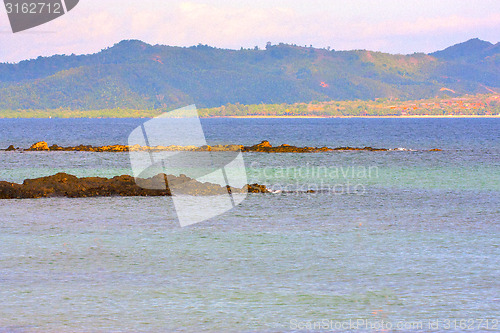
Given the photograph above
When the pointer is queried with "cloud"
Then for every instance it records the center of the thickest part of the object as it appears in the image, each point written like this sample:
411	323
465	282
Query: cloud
437	25
94	25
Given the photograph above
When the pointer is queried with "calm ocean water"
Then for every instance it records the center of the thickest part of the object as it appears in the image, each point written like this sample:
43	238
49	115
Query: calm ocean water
398	237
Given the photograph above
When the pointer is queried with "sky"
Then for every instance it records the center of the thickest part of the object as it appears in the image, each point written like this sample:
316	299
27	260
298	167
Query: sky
392	26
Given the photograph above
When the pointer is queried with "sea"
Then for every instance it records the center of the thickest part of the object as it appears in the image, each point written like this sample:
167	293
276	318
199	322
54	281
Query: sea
405	240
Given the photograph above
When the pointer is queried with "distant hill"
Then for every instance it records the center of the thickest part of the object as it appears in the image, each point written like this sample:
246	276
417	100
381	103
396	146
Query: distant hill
472	50
136	75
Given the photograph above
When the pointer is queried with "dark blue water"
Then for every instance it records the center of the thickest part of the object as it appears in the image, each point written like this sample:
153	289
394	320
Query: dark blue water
473	133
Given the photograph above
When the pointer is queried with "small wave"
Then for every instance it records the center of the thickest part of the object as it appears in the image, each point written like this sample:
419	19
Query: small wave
403	149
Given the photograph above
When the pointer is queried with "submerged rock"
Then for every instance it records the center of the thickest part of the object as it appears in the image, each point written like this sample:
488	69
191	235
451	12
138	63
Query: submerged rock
364	148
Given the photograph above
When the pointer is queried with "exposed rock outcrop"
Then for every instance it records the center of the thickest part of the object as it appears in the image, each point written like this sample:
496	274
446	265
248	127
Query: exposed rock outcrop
266	147
263	147
256	188
42	145
65	185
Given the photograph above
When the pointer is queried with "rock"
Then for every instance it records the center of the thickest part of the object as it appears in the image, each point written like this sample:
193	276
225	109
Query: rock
39	146
266	147
364	148
113	148
436	149
65	185
10	148
256	188
82	148
10	190
227	148
263	147
204	148
264	144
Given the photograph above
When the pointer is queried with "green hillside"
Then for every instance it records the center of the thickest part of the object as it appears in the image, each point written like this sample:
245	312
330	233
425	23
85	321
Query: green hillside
135	75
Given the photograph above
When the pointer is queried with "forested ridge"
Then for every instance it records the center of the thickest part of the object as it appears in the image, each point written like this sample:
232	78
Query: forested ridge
143	78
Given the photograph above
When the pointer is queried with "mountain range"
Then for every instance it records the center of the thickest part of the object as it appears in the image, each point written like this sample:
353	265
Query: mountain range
135	75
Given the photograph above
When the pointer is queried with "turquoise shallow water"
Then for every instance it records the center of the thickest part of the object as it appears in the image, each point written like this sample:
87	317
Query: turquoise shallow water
449	169
417	240
122	264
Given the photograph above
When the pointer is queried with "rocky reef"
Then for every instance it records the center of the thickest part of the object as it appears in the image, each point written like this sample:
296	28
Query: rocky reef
65	185
263	147
266	147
